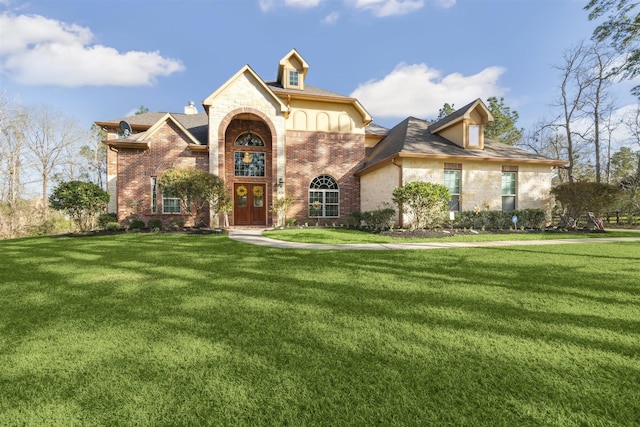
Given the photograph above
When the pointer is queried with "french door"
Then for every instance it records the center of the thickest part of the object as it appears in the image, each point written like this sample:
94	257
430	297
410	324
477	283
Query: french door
249	204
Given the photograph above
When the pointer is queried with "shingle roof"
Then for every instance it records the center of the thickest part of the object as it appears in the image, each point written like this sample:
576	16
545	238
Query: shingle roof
196	124
413	137
375	129
308	90
453	116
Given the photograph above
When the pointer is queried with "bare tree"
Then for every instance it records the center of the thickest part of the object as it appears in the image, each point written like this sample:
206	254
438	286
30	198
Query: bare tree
48	136
543	138
94	155
573	90
600	70
12	123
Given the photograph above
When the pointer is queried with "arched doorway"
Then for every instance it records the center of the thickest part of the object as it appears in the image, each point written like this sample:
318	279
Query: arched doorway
248	163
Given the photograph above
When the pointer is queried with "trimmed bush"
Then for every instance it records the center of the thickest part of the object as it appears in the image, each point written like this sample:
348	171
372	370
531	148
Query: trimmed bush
499	220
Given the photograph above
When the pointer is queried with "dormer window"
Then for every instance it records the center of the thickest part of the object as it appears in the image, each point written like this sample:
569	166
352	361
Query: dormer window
474	135
293	78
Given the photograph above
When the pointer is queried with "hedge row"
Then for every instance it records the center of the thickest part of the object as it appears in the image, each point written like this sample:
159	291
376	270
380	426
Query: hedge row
500	220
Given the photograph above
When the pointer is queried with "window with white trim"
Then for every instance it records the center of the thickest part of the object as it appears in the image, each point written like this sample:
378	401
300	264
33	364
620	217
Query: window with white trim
452	177
509	188
154	194
170	203
474	135
324	197
293	78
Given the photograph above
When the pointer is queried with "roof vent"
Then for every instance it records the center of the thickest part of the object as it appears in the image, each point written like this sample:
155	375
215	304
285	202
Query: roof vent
191	108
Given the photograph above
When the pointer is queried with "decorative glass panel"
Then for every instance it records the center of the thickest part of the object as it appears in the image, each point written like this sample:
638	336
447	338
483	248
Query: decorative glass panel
258	196
250	140
249	163
242	201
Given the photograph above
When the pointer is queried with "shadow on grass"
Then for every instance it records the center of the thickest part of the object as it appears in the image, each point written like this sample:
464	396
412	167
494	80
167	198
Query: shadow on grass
189	329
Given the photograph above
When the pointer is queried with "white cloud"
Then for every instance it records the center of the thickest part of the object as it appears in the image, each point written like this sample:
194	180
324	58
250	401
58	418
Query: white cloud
331	18
305	4
420	91
382	8
379	8
36	50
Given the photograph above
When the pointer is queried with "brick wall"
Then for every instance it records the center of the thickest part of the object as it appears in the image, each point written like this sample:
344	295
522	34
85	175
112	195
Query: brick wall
168	148
309	154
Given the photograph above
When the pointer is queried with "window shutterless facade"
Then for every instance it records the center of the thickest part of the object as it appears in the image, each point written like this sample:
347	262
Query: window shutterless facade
452	179
509	188
324	197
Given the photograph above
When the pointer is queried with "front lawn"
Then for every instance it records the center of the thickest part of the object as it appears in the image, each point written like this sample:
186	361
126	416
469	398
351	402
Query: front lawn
336	236
171	329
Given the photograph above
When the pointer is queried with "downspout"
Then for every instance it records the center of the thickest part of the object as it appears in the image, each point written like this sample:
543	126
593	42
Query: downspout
400	213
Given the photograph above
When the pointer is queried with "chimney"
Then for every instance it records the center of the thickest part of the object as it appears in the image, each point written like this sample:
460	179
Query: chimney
191	108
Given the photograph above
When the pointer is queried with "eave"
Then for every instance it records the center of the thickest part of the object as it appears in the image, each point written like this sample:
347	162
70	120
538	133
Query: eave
198	148
119	143
284	94
503	160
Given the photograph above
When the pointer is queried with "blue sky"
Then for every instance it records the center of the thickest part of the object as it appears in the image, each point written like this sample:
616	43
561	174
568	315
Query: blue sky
102	59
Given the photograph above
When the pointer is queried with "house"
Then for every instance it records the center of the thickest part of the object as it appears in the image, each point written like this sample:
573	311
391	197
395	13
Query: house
271	138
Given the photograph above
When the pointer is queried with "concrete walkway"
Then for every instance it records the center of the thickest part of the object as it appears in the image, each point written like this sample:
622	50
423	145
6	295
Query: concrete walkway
255	237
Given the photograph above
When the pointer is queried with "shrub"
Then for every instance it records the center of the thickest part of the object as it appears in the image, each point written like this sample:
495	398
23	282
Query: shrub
499	220
112	226
104	219
291	222
155	224
424	202
578	198
136	224
82	201
354	219
379	218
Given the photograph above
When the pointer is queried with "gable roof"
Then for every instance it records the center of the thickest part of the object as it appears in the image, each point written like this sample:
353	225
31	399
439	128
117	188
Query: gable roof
194	125
246	70
461	114
413	138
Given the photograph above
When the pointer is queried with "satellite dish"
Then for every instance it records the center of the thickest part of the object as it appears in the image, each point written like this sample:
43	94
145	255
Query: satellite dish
125	128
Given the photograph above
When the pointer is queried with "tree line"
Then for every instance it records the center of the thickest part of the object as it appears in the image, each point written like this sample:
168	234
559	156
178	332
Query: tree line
39	148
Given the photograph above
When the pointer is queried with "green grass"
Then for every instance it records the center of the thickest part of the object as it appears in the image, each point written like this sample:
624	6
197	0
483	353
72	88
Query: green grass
336	236
169	329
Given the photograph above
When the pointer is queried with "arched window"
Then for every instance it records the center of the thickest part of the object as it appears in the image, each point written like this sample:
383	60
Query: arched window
250	140
250	162
324	197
